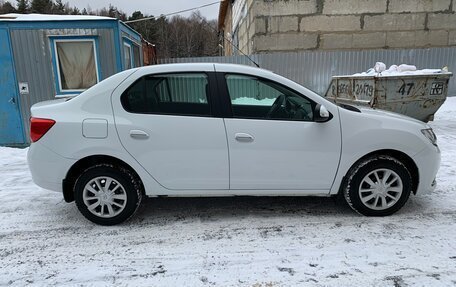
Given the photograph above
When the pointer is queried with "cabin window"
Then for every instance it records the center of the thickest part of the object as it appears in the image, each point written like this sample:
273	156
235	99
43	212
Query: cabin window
136	56
131	52
76	64
127	56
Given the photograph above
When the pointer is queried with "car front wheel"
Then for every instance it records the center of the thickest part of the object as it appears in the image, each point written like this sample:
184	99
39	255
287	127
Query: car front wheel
378	186
107	194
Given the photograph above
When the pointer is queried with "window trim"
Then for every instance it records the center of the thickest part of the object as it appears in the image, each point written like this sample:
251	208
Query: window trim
55	61
213	105
225	94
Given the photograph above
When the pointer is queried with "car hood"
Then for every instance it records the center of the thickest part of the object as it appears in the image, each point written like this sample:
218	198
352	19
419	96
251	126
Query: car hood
383	113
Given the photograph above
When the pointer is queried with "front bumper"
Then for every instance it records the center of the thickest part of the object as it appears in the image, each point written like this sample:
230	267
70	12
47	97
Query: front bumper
48	169
428	162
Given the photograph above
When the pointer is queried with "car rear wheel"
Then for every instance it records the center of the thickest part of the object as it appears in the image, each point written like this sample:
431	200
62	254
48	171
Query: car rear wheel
378	186
107	194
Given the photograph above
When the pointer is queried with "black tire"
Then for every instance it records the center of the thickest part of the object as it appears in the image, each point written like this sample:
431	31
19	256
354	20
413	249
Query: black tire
130	187
357	174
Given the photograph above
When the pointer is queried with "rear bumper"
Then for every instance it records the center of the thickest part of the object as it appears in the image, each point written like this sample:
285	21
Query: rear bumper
428	162
48	169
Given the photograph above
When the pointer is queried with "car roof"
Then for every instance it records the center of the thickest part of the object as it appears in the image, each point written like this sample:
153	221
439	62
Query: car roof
205	67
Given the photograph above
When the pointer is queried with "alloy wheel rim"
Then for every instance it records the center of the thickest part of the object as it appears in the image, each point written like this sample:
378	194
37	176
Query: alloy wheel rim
380	189
104	197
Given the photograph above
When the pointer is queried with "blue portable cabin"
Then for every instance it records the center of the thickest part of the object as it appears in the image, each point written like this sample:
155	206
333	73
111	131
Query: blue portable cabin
48	56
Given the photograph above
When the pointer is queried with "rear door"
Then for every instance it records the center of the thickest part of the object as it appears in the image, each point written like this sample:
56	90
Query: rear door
166	122
274	143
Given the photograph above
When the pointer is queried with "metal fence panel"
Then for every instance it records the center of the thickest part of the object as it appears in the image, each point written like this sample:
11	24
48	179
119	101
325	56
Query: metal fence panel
184	88
314	69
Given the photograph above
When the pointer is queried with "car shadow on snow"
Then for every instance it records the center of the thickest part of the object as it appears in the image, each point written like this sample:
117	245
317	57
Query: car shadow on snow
171	209
215	208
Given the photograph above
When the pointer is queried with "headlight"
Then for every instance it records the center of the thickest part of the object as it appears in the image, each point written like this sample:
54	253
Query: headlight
429	133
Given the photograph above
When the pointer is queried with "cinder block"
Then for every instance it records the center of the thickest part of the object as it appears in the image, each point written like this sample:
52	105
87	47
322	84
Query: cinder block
369	40
452	38
251	30
285	42
399	6
403	39
442	21
330	23
431	38
244	47
260	25
394	22
354	6
249	4
283	24
418	39
281	7
242	28
336	41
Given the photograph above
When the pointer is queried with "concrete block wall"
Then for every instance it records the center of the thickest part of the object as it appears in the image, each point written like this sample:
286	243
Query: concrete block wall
248	27
293	25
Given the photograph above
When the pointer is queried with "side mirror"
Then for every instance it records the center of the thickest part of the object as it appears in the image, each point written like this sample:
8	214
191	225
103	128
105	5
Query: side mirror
321	114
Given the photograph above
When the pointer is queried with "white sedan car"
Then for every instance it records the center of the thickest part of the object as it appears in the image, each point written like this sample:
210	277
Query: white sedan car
222	130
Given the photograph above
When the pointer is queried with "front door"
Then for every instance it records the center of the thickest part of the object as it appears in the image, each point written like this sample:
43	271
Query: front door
11	132
274	144
166	124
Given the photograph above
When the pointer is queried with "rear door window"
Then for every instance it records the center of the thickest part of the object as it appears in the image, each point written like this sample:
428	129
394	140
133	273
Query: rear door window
171	94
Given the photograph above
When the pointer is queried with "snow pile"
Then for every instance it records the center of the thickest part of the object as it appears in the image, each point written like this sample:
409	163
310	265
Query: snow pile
380	70
379	67
253	102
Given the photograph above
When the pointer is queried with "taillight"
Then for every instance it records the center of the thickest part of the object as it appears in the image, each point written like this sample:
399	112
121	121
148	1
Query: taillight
39	127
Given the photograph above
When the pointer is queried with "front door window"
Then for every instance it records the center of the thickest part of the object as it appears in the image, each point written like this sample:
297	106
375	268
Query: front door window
255	98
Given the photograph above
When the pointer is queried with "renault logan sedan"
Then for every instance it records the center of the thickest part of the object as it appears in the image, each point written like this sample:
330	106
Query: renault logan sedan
222	130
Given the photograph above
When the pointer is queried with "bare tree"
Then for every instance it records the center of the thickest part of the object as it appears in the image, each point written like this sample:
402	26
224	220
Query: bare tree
179	36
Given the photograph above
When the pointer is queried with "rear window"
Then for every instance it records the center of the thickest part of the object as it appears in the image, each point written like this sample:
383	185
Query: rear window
172	94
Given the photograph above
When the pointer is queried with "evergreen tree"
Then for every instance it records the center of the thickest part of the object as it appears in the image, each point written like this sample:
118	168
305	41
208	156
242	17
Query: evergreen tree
58	7
136	15
42	6
22	6
75	11
6	7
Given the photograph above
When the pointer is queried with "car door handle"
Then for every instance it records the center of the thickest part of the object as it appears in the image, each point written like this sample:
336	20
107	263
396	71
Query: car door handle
243	137
139	134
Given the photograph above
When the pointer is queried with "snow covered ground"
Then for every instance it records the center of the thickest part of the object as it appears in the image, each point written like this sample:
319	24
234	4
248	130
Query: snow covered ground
230	241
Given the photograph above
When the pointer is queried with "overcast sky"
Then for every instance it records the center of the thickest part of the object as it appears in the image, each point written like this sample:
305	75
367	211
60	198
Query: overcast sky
151	7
